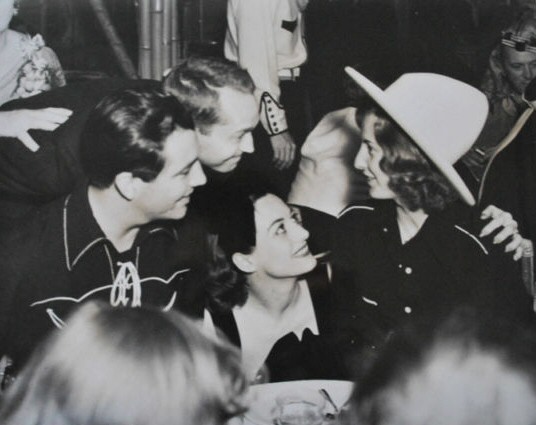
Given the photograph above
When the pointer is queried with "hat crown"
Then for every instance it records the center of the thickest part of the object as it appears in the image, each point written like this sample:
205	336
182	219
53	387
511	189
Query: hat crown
442	115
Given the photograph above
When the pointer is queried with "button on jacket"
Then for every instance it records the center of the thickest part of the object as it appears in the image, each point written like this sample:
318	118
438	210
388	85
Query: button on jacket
382	284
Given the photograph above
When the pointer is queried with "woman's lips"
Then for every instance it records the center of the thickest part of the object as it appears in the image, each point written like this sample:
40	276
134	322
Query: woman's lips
303	251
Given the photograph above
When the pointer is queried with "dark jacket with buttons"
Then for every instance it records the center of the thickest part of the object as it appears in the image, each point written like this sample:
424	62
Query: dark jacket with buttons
381	284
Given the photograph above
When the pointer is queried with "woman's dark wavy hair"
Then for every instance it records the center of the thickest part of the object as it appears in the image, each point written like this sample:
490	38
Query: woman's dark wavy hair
412	177
227	285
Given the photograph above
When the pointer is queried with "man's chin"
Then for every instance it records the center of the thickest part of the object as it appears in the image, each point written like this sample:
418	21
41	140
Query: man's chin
227	166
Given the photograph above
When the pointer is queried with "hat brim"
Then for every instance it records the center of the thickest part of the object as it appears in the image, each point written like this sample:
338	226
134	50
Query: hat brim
379	96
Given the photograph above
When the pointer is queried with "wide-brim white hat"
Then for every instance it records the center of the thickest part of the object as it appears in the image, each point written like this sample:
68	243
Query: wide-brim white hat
442	116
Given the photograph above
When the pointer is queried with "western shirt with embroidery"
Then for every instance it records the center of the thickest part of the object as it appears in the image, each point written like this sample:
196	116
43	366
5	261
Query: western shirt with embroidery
60	258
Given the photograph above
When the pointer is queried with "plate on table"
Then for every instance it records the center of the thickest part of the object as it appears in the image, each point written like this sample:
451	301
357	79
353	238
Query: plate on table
263	407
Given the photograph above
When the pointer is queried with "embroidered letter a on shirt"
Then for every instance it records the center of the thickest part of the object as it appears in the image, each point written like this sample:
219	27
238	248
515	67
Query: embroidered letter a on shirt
127	279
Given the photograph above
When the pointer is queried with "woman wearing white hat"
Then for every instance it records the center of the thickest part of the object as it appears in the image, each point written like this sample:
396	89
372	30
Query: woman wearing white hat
410	254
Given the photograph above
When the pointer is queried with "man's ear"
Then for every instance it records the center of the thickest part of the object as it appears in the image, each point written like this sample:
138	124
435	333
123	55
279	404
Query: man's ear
244	262
127	185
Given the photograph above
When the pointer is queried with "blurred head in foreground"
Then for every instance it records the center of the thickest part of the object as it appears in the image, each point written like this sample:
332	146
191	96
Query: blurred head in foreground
127	367
465	371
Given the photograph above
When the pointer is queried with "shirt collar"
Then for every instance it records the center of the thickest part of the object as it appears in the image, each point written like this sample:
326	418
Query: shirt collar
81	232
297	319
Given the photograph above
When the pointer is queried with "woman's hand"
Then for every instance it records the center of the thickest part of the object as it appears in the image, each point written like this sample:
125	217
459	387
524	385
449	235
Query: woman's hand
502	219
17	123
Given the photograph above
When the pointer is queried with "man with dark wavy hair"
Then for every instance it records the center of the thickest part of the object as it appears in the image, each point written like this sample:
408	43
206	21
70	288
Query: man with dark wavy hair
121	237
216	92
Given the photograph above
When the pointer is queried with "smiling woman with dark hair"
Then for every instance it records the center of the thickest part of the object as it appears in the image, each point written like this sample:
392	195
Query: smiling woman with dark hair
260	298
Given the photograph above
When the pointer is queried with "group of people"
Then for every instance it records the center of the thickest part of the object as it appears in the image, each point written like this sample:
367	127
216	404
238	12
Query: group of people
143	207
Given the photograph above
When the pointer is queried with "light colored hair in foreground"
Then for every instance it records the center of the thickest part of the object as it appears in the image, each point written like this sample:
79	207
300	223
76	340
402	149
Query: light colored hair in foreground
466	371
127	366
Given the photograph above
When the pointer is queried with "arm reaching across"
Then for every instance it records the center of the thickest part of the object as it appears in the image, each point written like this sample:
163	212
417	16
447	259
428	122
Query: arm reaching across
17	123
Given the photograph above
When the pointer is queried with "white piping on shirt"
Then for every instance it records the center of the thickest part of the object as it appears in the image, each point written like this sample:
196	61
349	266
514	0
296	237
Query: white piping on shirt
103	288
355	207
474	238
369	301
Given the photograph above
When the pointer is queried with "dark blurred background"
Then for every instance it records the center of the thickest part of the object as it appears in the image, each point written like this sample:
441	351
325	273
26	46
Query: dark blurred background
383	37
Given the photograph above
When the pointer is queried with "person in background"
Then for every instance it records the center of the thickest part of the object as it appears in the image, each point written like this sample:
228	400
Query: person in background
122	236
512	66
263	295
412	253
326	181
220	96
27	67
266	38
462	370
509	181
217	93
127	367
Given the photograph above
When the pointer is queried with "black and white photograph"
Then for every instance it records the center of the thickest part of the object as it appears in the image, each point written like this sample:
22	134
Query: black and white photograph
267	212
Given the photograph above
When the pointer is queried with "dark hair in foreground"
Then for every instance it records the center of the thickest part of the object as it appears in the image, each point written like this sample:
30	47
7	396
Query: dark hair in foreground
127	366
196	81
127	131
468	370
412	177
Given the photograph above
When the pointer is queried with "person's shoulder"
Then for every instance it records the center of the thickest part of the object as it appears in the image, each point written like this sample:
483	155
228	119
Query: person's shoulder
354	223
362	210
468	237
17	37
332	133
456	230
39	230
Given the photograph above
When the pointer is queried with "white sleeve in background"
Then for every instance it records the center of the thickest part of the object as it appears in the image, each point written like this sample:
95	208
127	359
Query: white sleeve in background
251	41
265	36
